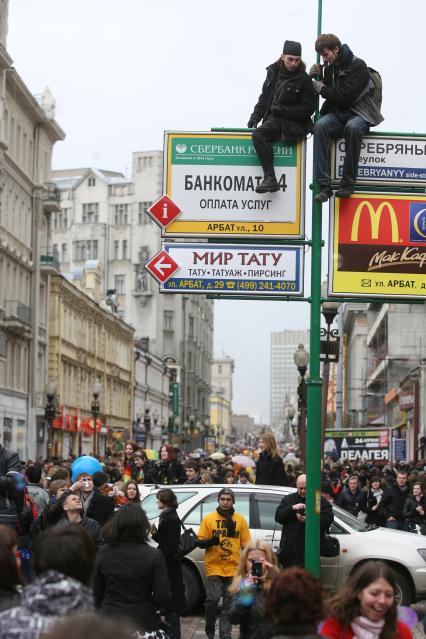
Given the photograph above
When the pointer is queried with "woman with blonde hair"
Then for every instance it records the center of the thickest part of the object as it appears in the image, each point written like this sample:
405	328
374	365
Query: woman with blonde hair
256	570
270	467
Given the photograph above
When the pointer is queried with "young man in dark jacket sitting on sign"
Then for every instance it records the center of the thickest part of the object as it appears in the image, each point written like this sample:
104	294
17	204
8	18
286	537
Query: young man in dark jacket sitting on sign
352	105
285	106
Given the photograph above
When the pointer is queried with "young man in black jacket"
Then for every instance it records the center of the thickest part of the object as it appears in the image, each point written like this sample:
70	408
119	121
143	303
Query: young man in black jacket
393	500
348	111
285	106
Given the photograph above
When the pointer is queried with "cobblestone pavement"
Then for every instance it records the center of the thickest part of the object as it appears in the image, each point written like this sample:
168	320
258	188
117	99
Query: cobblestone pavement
193	627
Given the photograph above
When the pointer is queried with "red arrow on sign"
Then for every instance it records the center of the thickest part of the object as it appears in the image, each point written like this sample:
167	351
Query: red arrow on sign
164	211
162	266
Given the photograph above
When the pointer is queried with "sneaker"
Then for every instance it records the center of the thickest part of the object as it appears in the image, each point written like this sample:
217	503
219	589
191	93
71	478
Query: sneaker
323	195
345	190
269	185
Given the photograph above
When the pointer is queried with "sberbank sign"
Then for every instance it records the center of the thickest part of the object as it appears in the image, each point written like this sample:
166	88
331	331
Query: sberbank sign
239	152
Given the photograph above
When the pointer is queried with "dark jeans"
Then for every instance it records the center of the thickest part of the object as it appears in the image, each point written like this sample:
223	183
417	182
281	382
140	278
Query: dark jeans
263	137
395	524
172	617
328	128
217	587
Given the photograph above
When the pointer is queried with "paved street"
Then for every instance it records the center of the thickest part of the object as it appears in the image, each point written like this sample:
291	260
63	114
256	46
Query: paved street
193	627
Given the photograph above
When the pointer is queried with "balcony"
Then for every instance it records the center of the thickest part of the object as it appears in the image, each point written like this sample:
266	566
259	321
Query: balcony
49	263
17	317
52	198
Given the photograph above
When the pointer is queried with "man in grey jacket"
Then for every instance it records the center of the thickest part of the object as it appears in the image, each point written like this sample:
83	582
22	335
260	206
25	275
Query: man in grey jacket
351	106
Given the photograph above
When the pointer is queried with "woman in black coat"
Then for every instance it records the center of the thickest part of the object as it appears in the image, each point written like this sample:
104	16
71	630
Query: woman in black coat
167	536
131	580
270	467
170	471
10	574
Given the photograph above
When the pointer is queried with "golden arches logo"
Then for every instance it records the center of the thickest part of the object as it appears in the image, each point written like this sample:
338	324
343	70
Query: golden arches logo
375	216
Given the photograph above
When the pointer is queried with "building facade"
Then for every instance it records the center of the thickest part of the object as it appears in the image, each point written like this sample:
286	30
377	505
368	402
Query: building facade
103	216
221	398
87	343
284	374
28	132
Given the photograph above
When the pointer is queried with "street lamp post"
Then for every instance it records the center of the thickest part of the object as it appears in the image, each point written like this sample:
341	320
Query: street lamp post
147	422
96	391
206	431
329	352
301	359
191	430
50	414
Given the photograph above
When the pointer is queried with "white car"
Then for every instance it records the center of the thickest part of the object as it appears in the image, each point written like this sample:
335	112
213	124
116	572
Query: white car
405	552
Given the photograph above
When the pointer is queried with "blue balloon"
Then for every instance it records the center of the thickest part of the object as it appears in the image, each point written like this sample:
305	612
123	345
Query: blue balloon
85	464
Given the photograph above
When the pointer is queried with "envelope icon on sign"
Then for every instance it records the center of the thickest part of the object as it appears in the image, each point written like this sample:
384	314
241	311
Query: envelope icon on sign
366	283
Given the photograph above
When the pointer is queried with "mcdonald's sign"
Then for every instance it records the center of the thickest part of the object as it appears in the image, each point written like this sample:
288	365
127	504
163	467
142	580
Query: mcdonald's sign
377	246
375	217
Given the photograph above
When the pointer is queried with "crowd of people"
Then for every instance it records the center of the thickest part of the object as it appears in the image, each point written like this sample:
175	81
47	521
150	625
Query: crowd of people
82	543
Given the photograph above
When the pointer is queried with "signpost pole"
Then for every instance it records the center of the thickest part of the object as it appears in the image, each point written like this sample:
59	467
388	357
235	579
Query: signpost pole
314	383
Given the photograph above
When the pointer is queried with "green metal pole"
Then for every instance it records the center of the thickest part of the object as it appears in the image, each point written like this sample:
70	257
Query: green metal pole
314	384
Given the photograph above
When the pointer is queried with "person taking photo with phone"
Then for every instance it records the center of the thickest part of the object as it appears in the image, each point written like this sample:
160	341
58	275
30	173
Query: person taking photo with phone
250	587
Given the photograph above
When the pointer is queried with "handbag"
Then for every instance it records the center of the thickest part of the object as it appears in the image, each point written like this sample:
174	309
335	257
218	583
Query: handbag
329	546
188	541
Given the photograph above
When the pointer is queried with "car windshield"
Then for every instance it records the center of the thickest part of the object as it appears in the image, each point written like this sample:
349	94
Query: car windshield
149	503
350	520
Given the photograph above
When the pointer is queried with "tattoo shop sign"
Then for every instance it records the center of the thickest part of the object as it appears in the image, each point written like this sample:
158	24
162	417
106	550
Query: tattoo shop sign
357	446
234	269
378	246
388	159
212	177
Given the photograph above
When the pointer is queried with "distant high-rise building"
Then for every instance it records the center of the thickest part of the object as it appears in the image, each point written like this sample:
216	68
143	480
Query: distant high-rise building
284	374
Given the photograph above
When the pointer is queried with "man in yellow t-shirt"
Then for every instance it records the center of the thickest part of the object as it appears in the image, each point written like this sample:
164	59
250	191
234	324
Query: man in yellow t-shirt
223	533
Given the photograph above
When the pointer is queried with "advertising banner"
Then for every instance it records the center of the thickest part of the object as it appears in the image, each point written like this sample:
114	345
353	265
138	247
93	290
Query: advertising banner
378	246
235	269
387	159
357	445
211	178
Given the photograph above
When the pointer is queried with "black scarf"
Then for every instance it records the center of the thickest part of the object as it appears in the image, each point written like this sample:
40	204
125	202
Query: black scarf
230	524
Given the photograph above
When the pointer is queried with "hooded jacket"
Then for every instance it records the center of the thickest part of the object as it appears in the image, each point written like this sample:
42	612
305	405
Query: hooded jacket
9	461
349	87
48	598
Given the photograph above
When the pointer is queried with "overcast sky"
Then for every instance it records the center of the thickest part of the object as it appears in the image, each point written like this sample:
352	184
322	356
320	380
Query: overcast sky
123	72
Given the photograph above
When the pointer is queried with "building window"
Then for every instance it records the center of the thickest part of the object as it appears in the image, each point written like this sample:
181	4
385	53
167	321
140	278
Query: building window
91	181
124	250
119	284
143	218
85	250
121	214
191	326
116	249
168	320
65	252
90	213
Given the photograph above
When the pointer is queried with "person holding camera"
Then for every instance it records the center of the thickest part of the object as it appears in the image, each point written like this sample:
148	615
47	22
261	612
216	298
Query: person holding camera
291	513
250	586
223	533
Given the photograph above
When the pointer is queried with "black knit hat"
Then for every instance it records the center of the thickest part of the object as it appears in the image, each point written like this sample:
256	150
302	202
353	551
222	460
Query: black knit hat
292	48
226	491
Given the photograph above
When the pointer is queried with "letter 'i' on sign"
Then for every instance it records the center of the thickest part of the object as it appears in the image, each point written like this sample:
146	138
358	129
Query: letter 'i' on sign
164	211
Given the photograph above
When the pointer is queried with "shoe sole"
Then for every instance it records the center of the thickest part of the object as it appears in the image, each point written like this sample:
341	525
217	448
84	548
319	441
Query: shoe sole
274	190
343	196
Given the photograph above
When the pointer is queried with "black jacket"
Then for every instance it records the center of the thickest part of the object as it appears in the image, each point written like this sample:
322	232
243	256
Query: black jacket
270	471
171	472
250	618
292	544
90	525
101	507
392	502
9	461
296	102
131	582
352	502
374	517
410	513
167	538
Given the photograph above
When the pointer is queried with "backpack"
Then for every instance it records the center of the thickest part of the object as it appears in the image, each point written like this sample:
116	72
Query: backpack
377	91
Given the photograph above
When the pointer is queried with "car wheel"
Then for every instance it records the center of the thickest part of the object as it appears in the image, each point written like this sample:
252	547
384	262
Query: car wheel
192	588
403	595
